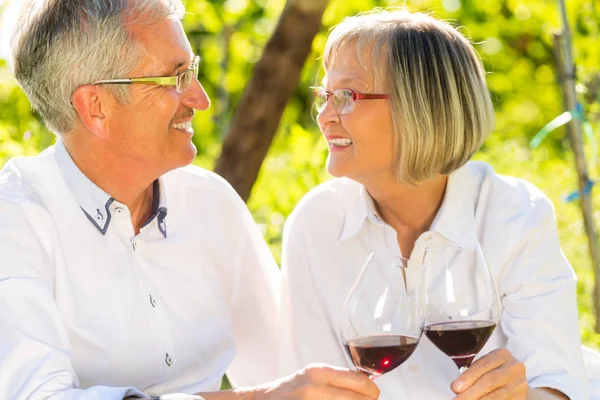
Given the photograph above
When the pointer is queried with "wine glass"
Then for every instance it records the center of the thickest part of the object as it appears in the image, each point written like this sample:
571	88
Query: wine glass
383	315
461	302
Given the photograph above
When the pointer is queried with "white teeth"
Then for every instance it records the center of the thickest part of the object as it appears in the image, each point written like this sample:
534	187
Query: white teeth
340	142
183	125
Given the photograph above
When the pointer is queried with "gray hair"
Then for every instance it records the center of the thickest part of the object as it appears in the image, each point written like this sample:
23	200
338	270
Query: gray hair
440	105
59	45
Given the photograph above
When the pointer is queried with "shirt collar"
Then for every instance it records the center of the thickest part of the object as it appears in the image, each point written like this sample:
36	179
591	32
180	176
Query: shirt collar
455	219
159	206
95	202
360	209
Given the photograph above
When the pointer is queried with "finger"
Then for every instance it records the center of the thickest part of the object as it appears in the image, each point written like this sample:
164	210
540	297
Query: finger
343	379
480	367
325	392
518	392
510	376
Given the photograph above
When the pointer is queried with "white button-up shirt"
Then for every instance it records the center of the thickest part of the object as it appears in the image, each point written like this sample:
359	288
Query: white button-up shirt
89	310
334	227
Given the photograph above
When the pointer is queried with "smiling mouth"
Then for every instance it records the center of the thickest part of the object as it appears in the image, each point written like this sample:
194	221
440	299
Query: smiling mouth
339	142
184	126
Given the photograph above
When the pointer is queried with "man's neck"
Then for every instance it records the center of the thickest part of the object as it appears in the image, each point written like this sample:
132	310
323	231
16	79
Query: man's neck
127	184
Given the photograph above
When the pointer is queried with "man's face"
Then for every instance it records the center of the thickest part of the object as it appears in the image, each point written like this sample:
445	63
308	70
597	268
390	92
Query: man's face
154	130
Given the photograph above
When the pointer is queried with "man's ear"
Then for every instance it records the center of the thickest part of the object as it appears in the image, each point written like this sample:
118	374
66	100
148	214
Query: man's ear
92	110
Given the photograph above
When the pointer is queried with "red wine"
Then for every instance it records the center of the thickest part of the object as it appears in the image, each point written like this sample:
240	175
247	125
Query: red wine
379	354
462	340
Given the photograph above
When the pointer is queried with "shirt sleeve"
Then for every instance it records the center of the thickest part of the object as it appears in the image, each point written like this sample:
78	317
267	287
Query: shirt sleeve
306	334
539	297
254	305
35	354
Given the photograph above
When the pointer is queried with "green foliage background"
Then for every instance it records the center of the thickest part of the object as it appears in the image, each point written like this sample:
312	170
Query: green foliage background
514	38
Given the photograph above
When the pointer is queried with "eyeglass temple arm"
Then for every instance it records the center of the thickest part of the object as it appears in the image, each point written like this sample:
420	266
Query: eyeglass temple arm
145	81
370	96
114	81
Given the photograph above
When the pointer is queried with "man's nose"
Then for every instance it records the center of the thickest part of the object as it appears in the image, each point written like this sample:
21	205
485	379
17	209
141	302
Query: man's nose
195	97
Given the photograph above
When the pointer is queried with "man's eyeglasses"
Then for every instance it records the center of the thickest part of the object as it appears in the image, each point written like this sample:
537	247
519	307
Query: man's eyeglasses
343	99
182	81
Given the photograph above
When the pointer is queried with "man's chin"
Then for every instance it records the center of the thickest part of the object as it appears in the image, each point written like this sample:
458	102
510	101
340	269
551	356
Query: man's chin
181	159
189	155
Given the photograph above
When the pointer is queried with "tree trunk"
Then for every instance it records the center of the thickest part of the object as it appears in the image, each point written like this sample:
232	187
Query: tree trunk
274	79
566	73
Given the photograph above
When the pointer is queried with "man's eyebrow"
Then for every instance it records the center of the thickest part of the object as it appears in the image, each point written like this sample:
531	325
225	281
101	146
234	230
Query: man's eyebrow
178	66
164	71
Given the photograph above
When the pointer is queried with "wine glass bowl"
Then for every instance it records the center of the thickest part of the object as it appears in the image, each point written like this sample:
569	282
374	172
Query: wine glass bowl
383	315
377	355
462	304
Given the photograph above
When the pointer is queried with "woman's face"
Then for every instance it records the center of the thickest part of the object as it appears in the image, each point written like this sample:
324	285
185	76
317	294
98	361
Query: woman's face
361	144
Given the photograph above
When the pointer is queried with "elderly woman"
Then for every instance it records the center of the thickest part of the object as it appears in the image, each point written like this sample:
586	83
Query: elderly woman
403	107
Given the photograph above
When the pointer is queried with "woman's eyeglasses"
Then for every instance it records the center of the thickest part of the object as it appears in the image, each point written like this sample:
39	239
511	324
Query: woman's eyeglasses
343	100
182	81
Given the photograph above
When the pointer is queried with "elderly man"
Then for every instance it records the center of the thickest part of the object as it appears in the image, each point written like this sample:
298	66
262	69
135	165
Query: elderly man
125	273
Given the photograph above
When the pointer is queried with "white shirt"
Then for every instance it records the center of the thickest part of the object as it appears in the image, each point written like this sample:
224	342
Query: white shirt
335	226
89	310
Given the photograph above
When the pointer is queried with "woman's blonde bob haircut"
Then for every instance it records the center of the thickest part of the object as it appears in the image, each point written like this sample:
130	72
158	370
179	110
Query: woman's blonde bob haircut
439	101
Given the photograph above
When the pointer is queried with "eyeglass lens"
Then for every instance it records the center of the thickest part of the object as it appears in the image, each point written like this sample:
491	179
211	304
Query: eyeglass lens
185	79
341	99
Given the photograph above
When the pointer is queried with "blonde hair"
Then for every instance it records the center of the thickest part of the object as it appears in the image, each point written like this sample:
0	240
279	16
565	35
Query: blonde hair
440	105
59	45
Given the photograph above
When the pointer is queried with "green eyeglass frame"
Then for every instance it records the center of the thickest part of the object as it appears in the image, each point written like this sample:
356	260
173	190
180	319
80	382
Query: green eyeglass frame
182	81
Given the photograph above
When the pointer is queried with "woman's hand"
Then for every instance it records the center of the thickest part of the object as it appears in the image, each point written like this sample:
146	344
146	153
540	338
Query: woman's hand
497	375
323	383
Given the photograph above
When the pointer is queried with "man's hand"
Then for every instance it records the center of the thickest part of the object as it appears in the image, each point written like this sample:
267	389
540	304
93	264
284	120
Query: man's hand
497	375
323	383
316	381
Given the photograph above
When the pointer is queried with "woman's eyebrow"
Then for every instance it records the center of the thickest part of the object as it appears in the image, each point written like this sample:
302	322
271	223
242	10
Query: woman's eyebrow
348	80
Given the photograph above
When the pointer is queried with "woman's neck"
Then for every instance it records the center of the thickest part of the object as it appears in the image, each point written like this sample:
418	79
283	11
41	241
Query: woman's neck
409	209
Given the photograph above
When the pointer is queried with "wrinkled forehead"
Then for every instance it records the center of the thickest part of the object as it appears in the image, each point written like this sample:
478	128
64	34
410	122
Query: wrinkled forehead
355	59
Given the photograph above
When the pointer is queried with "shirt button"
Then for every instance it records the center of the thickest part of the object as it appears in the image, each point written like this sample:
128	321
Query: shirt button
99	216
168	359
133	243
152	301
119	210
